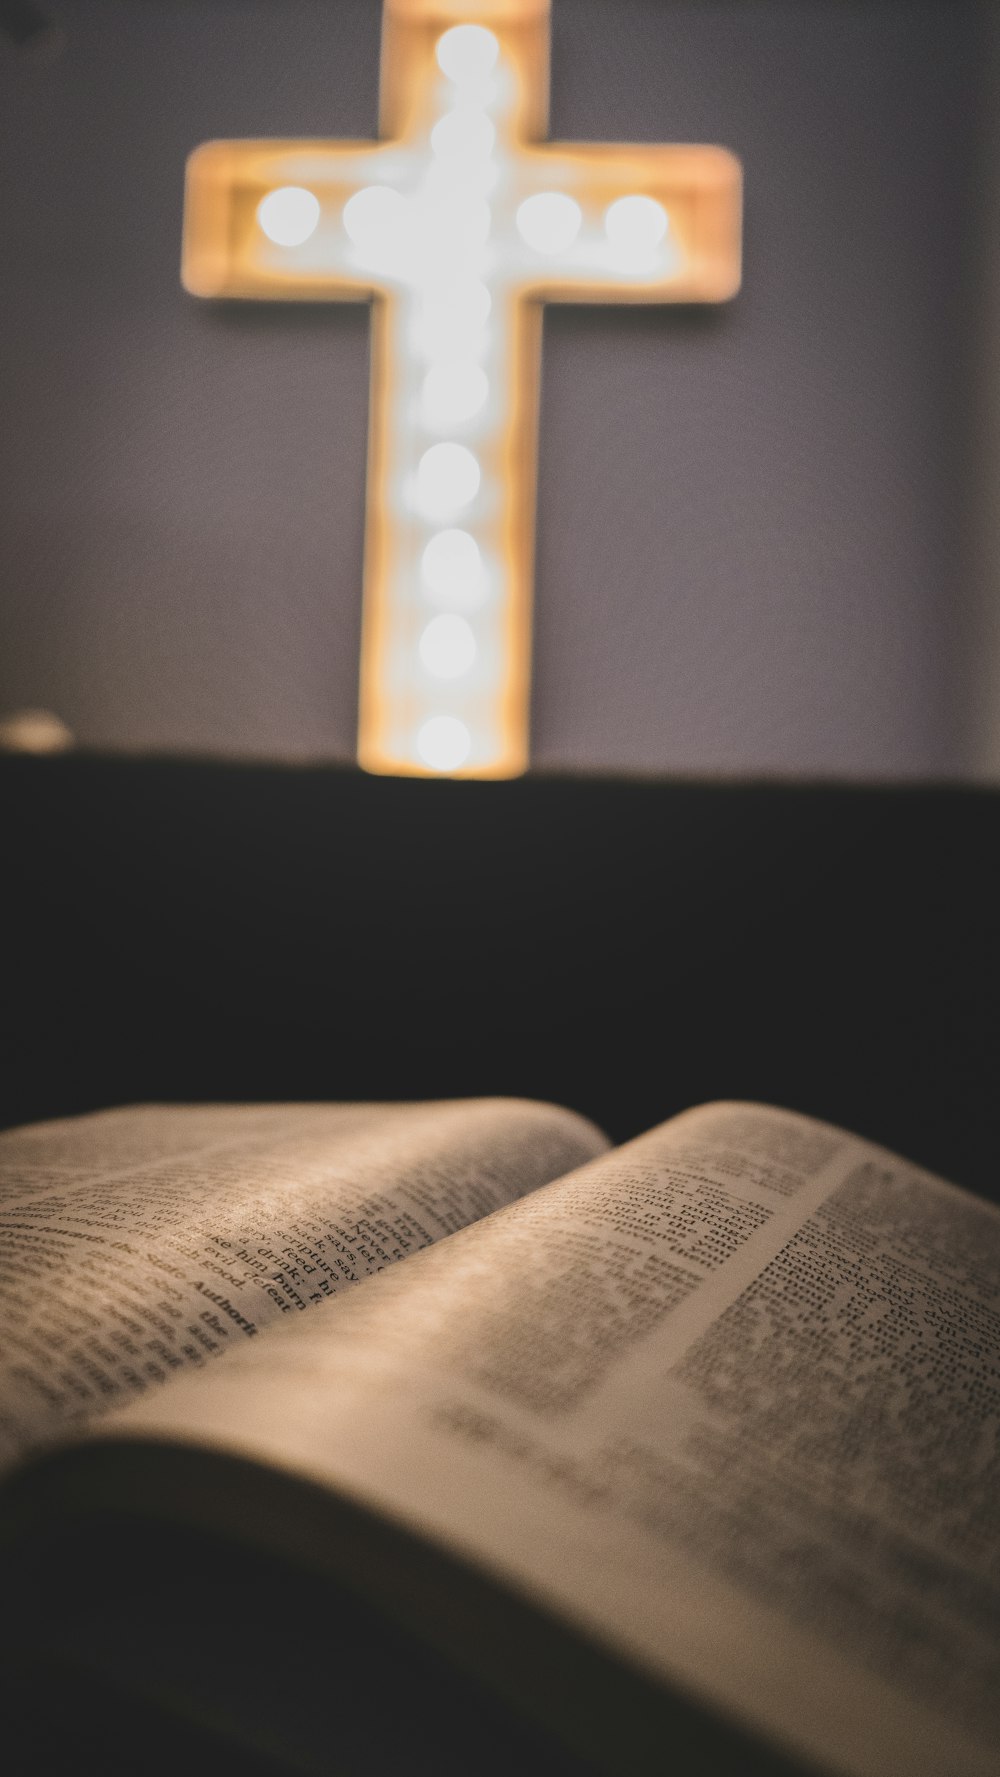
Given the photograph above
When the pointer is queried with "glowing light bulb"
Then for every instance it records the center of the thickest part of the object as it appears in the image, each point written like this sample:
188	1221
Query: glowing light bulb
453	392
455	219
289	215
444	743
467	304
447	646
471	218
448	477
451	568
467	54
462	176
636	225
463	134
452	321
549	221
374	215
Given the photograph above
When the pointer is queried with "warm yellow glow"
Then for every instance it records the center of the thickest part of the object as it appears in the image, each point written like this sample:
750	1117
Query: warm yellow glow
461	220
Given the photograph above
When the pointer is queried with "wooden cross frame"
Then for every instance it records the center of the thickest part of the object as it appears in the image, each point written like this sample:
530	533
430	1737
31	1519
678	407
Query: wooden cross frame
460	221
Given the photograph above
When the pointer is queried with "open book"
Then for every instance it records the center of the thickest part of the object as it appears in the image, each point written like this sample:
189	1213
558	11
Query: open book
681	1456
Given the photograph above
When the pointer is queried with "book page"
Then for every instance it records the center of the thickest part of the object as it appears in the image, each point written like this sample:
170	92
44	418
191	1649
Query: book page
138	1243
728	1399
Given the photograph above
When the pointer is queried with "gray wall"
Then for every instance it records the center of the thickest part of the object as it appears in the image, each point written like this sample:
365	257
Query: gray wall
752	550
981	615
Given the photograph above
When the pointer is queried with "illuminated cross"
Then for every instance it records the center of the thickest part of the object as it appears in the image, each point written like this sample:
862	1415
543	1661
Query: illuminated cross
461	221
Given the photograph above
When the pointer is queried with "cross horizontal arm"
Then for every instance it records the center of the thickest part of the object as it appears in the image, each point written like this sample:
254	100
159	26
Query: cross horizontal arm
699	193
227	251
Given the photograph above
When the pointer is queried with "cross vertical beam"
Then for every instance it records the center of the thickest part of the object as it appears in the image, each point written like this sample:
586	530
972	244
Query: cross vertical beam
460	221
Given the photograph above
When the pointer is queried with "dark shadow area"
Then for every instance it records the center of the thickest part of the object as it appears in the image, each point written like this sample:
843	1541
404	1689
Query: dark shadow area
187	931
197	1652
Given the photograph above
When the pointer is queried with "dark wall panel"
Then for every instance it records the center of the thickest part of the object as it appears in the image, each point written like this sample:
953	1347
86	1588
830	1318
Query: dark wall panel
186	931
